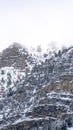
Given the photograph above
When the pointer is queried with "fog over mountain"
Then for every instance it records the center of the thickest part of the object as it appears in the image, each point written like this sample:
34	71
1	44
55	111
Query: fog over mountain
36	64
35	23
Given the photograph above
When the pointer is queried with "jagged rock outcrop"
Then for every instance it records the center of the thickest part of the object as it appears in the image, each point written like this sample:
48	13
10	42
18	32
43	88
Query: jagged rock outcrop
35	93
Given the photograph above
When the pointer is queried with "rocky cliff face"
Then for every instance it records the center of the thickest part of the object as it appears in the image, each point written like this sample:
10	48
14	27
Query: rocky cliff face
35	93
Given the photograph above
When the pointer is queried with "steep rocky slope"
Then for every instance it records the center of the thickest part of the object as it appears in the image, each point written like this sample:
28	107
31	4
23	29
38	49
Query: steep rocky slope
36	93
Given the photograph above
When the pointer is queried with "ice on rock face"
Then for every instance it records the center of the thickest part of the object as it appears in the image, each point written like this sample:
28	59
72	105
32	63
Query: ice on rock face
70	128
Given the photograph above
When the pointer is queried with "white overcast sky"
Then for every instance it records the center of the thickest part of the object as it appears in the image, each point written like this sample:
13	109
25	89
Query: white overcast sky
34	22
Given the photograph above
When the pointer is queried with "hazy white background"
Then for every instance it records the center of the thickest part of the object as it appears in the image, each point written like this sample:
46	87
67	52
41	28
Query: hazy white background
34	22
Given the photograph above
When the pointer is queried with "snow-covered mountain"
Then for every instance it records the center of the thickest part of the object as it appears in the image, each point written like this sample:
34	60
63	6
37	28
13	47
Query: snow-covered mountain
36	89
